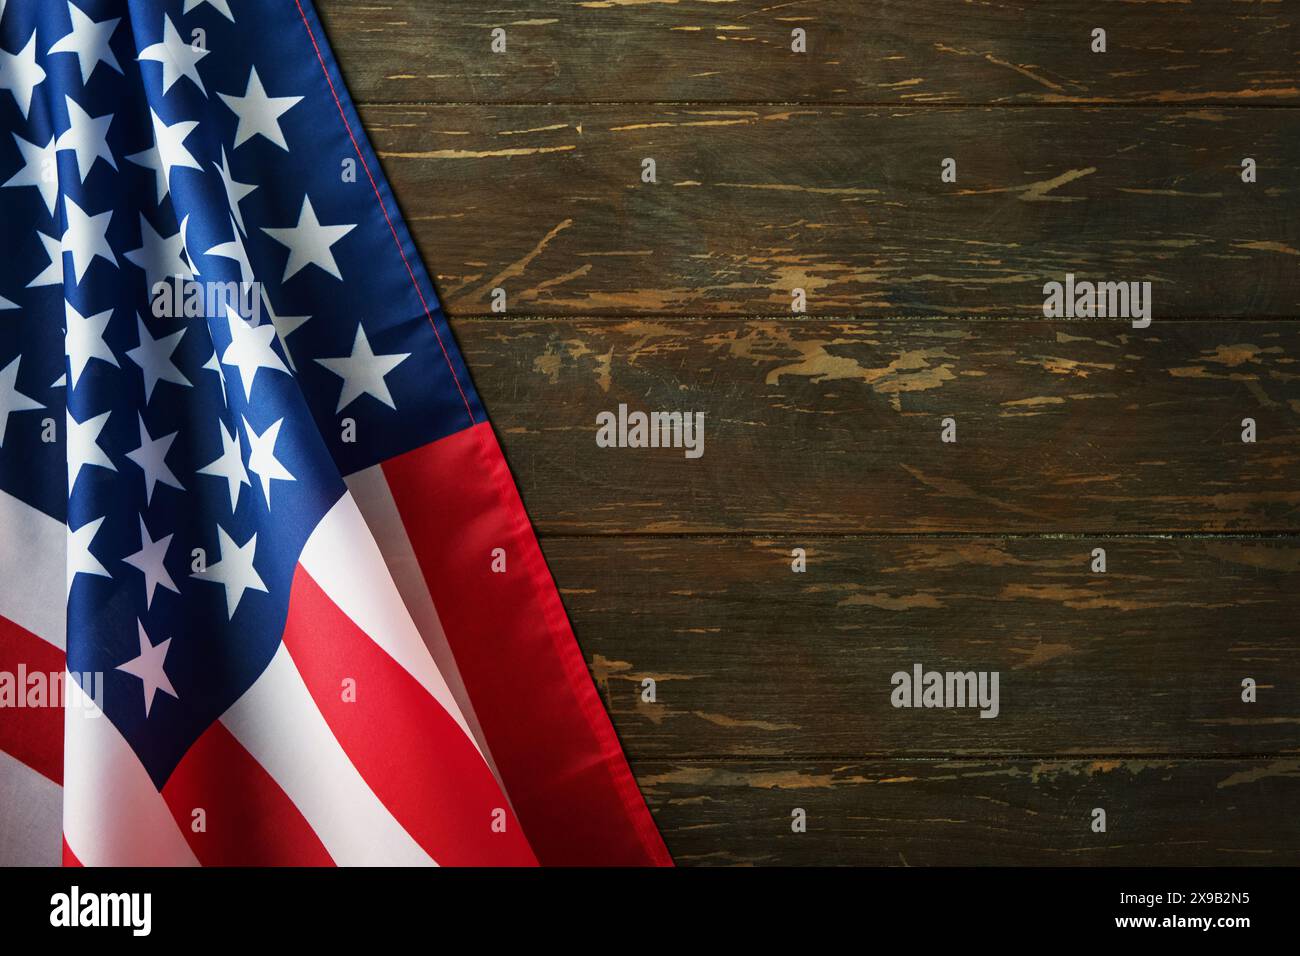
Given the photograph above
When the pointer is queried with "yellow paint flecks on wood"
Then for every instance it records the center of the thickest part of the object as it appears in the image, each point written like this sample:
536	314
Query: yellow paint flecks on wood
551	361
889	602
1278	768
723	720
476	153
517	267
1035	401
759	779
1268	245
794	188
1041	653
1081	599
913	370
1037	191
535	129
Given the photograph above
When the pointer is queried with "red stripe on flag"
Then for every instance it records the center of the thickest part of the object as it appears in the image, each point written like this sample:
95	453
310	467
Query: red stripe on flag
545	725
248	819
419	762
69	858
32	734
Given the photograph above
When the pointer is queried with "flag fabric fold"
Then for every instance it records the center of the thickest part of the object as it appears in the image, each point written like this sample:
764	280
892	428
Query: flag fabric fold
268	594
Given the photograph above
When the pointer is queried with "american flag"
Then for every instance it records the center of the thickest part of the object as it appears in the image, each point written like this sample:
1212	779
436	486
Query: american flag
269	536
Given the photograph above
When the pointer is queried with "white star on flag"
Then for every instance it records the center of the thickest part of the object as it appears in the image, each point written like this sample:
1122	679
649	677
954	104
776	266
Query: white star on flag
234	249
149	668
87	136
261	457
234	571
363	371
161	257
40	169
309	242
53	273
84	340
150	561
80	560
250	350
167	153
222	6
259	114
83	446
12	400
86	237
20	74
230	466
154	356
89	41
179	59
151	456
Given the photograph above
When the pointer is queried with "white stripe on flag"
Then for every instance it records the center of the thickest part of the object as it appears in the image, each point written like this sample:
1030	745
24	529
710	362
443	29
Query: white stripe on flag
342	557
32	570
112	813
31	816
278	723
374	500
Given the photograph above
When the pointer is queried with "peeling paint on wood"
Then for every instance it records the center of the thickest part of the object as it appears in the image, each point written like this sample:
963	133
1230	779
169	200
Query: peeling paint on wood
829	425
846	203
752	659
1167	812
859	51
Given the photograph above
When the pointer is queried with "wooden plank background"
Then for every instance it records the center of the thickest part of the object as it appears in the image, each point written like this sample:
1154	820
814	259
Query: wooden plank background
845	203
859	51
751	659
833	425
820	171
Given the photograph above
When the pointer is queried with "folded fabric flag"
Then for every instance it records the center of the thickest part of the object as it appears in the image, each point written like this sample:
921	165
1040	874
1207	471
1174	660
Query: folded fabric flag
247	490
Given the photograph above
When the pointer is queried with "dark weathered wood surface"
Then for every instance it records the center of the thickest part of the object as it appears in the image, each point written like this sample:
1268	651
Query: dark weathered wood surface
751	659
820	171
846	203
961	813
834	426
862	51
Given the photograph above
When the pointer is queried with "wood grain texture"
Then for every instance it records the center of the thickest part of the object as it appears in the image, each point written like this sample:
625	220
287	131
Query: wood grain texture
751	659
820	171
547	203
861	51
954	813
834	426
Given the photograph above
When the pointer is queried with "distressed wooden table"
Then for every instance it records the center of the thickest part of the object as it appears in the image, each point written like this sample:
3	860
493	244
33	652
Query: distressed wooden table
777	170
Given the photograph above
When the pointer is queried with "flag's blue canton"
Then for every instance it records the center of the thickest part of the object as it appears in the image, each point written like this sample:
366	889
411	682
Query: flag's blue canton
219	153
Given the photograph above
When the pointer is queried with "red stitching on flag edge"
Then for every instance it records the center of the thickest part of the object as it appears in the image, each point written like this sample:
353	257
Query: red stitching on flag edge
575	666
384	208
